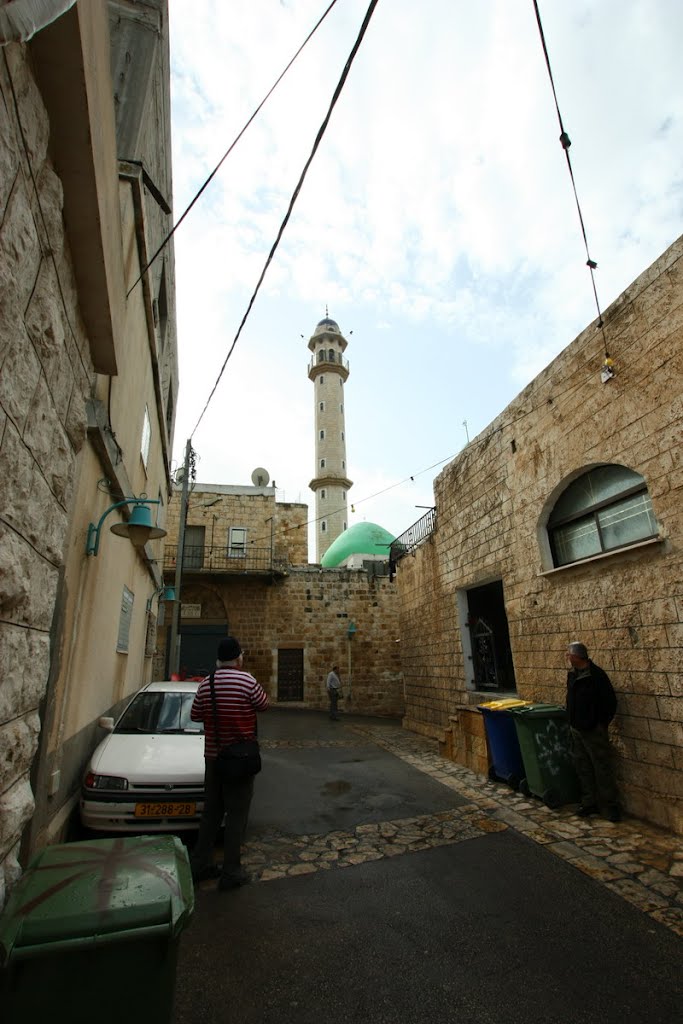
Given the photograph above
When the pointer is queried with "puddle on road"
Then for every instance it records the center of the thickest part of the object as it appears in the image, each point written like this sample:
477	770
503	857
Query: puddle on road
335	788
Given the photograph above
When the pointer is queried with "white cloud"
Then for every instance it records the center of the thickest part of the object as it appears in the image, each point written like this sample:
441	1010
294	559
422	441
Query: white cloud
437	219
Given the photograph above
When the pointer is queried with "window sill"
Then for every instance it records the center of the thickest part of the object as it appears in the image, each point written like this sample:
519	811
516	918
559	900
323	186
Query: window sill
603	555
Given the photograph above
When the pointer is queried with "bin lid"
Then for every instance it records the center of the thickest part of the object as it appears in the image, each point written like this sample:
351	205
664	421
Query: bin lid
532	710
97	892
504	704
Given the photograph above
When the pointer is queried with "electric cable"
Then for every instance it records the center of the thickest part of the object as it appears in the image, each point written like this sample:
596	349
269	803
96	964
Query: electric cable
295	195
230	148
566	143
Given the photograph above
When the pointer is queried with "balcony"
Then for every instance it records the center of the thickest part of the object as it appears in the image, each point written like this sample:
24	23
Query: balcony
413	536
331	361
205	559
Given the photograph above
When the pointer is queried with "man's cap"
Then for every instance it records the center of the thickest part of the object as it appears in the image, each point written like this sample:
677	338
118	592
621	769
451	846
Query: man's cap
577	649
228	649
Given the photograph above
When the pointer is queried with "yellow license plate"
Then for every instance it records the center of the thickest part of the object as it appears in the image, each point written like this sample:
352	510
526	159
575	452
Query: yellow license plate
173	810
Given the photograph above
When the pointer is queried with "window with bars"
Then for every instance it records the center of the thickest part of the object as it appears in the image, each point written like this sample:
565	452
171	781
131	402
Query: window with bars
146	437
603	510
238	542
125	619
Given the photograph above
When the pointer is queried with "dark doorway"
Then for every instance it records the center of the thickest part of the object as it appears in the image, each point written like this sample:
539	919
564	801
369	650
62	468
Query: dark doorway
490	638
198	645
290	674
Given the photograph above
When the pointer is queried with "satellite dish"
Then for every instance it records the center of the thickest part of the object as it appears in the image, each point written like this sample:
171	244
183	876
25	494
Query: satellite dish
260	477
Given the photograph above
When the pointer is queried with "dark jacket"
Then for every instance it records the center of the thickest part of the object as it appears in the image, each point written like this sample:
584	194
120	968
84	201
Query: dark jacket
591	700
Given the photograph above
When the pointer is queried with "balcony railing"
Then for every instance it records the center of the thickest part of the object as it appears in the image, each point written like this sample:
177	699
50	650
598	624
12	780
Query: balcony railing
327	362
218	558
414	536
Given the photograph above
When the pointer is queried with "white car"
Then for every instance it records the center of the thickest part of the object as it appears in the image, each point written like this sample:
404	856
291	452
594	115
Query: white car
148	774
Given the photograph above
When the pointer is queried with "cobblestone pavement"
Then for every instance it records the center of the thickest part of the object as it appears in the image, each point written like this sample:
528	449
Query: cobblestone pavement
638	862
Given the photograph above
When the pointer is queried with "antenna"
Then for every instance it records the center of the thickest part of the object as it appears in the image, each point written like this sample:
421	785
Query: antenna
260	477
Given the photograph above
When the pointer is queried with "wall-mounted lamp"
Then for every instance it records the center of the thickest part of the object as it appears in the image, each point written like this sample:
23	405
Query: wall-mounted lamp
164	594
352	630
138	529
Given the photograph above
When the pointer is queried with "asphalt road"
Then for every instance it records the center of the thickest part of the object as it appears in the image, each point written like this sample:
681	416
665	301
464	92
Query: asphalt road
488	929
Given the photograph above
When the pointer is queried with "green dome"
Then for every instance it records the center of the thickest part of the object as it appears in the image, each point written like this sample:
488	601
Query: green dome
360	539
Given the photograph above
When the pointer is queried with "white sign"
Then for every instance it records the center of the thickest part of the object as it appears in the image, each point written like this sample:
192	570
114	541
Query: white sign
191	611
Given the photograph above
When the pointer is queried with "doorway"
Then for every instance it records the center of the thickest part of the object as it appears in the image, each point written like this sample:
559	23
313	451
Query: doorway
489	639
290	674
198	646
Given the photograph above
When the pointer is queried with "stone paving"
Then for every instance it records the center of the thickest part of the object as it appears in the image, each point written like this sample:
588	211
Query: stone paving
637	861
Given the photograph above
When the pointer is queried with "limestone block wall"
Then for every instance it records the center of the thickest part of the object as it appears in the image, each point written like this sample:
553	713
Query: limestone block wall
45	374
312	609
492	505
218	507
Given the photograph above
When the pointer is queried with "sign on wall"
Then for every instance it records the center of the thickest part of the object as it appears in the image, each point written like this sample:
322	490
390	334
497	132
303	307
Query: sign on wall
191	611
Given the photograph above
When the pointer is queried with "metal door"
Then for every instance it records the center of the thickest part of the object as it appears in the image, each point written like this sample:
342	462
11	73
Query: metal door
290	674
484	655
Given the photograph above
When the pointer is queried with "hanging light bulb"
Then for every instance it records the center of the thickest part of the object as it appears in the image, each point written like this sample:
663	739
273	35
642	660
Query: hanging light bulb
607	371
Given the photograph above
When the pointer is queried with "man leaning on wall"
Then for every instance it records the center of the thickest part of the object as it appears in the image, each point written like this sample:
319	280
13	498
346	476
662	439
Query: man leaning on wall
591	706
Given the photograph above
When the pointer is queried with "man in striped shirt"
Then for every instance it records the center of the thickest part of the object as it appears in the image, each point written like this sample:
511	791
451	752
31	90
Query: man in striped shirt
238	698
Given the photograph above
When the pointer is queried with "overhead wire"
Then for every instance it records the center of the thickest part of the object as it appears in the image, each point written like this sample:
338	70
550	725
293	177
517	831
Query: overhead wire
230	148
566	143
318	139
470	447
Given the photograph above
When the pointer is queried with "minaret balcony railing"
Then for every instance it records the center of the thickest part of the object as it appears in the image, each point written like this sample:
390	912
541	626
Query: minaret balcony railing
337	362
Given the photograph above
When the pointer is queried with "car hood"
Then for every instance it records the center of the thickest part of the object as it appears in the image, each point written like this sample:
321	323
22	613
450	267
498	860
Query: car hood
145	759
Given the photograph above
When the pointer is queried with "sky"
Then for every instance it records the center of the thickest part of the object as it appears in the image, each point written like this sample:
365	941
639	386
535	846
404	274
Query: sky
437	223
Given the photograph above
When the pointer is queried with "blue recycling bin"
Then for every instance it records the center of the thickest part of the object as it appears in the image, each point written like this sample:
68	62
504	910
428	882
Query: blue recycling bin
506	756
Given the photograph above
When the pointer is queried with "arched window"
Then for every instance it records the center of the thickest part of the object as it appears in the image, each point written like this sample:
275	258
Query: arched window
321	378
322	463
323	526
322	435
321	356
322	407
330	355
605	509
323	494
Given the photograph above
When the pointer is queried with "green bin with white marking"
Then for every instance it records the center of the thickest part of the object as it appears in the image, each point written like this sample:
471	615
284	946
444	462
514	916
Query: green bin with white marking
545	743
90	932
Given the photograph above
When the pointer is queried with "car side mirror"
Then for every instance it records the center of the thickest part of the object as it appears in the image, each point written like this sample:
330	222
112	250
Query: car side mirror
106	723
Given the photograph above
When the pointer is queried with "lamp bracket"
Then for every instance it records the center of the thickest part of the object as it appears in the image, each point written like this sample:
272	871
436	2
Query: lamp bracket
92	541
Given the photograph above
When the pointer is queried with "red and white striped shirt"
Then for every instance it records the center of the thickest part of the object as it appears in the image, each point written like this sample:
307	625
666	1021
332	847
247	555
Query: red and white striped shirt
238	698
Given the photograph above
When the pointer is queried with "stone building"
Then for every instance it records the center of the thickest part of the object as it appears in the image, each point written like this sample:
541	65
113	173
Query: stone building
245	571
88	385
329	371
563	520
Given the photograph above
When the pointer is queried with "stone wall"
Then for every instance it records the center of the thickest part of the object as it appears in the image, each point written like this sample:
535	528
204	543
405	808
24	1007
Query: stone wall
312	609
45	374
219	507
492	505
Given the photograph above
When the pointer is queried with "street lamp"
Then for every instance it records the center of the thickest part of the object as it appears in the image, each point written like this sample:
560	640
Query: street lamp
139	528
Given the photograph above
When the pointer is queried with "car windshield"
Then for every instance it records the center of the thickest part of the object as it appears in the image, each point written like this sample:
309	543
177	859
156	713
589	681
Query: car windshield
159	712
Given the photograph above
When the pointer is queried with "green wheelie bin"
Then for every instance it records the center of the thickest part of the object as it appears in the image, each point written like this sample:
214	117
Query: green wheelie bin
90	932
545	743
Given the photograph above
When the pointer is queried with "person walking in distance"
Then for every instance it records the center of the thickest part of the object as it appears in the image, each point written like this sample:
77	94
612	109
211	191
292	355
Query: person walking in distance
334	692
230	710
591	705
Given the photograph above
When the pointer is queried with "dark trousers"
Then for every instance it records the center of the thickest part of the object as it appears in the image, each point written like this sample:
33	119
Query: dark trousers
593	762
334	702
233	799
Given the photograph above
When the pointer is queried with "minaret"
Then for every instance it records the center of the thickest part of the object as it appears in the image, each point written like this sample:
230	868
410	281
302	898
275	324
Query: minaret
328	370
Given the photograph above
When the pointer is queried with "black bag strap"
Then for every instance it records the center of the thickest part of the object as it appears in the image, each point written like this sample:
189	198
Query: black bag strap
215	711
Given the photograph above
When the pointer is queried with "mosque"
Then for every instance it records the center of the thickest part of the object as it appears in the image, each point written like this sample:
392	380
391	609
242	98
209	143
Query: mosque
337	544
246	571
